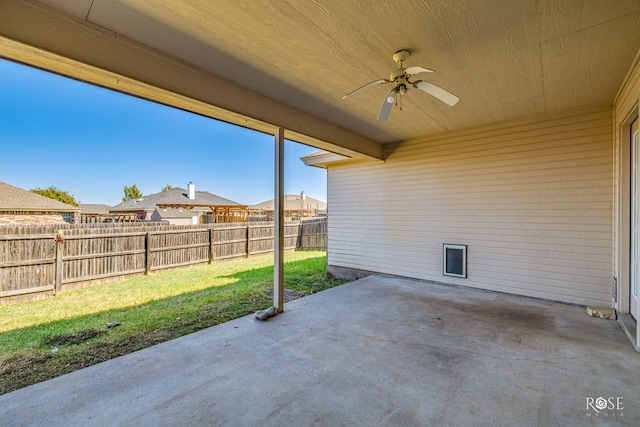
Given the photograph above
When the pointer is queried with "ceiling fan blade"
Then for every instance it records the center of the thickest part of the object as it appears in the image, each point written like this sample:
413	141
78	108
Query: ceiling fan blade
373	83
417	70
389	100
444	96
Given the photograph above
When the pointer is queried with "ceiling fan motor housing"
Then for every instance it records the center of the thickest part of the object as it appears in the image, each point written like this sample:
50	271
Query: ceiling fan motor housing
401	56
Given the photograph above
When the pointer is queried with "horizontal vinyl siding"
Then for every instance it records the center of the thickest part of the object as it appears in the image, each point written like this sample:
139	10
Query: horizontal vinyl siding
626	106
532	200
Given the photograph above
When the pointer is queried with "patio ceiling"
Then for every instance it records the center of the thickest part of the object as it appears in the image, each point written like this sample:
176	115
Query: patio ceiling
268	64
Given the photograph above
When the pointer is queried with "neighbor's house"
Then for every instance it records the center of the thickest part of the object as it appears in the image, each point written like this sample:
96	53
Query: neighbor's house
22	207
529	185
182	207
296	206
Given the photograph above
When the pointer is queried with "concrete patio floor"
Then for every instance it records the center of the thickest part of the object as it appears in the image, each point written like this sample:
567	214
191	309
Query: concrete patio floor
380	351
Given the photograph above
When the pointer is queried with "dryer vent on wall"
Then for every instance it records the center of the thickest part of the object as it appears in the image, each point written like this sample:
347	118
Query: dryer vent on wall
455	260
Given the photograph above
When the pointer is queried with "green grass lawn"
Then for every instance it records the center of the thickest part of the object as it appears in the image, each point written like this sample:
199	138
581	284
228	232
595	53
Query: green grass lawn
47	338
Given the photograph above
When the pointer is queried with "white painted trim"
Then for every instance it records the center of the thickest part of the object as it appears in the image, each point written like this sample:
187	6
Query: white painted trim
445	270
322	159
278	262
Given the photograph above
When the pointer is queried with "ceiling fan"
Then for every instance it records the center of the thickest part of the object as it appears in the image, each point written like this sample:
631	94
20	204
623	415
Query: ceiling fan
401	79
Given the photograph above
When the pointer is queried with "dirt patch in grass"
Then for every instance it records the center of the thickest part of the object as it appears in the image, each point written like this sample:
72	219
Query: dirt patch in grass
76	338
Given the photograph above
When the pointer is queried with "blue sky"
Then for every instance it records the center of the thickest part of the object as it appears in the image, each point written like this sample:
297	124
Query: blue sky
91	142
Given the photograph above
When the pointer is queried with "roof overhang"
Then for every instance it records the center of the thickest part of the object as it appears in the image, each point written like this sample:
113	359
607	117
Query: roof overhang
236	62
37	210
38	35
322	159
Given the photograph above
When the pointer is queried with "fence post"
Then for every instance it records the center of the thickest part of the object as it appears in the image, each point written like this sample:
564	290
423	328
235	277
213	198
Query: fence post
212	251
59	239
147	258
247	248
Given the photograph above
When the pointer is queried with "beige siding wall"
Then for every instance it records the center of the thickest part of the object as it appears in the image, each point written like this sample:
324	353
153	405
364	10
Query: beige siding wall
626	108
532	199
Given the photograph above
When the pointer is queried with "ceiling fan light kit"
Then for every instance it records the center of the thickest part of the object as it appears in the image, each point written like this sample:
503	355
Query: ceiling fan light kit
401	79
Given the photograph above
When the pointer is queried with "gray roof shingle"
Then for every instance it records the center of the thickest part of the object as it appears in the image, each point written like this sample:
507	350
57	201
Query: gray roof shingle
175	196
16	199
94	208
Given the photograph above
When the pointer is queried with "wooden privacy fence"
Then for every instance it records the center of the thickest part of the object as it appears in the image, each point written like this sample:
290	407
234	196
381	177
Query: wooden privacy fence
42	260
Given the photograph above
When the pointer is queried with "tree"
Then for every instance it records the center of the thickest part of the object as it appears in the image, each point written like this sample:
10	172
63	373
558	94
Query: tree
131	193
56	194
167	187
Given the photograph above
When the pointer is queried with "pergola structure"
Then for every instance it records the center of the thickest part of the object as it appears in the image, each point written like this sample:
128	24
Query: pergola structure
296	207
221	214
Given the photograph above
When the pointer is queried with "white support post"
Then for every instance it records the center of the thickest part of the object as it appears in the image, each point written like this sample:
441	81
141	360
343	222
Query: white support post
637	325
278	248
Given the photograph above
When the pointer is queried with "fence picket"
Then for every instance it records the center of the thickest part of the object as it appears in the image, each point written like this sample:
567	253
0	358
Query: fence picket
45	259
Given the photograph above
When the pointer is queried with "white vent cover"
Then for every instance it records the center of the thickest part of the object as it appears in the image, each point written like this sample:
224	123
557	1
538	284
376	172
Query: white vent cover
455	260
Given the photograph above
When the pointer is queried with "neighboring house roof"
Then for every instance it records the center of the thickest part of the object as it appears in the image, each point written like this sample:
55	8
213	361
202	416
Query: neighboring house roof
94	209
174	197
292	202
14	199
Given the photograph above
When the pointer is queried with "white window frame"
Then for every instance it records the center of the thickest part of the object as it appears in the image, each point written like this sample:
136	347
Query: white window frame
447	271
